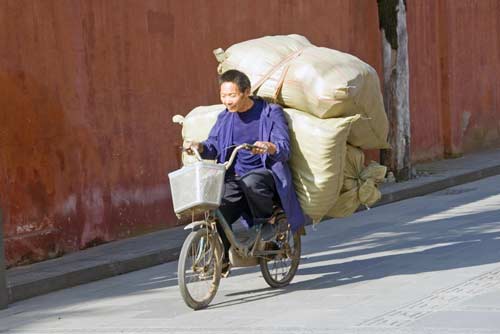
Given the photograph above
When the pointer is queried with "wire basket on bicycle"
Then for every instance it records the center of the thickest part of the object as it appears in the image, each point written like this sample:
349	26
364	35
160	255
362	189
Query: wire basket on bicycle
197	186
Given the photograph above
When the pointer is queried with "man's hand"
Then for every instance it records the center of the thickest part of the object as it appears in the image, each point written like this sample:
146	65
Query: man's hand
189	146
263	147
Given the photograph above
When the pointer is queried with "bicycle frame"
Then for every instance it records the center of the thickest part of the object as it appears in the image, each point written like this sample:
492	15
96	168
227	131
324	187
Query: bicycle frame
244	248
247	248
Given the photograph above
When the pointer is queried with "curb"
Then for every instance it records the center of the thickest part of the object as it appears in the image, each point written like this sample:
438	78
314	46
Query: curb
90	274
433	186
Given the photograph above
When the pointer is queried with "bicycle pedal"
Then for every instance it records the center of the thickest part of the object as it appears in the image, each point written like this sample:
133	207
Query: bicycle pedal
281	237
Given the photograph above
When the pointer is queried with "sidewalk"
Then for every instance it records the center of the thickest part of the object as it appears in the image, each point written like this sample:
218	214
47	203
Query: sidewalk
131	254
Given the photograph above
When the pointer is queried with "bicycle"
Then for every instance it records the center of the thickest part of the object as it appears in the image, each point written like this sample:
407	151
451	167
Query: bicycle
198	188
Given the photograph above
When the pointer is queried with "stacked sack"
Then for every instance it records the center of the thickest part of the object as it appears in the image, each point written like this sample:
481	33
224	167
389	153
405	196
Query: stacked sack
360	185
330	99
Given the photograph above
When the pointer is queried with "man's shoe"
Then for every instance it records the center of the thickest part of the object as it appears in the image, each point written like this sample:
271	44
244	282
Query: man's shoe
277	212
279	221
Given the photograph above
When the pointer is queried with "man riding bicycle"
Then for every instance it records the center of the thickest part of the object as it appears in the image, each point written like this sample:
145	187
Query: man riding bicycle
260	178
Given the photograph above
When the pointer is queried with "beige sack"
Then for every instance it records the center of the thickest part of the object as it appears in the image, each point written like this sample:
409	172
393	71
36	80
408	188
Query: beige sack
317	159
261	59
322	81
371	130
360	185
196	126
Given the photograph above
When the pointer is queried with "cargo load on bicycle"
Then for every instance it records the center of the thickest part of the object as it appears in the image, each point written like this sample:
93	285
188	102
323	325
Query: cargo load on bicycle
332	101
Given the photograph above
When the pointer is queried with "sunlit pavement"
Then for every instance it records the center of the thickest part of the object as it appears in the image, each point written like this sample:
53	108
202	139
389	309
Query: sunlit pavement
425	265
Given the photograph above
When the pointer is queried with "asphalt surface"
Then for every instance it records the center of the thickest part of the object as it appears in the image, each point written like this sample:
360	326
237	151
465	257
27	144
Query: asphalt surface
428	264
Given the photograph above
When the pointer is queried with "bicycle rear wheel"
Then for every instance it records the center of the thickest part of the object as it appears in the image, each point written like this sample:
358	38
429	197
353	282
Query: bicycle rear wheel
280	270
199	269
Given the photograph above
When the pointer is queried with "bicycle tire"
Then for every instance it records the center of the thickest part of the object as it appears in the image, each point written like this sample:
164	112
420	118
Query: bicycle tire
293	255
189	267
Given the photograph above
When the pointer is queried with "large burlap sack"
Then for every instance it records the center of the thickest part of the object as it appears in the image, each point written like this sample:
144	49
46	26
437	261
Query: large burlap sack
360	186
324	82
262	59
196	126
317	160
371	130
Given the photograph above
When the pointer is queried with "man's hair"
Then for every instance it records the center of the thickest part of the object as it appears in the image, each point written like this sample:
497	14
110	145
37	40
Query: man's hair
240	79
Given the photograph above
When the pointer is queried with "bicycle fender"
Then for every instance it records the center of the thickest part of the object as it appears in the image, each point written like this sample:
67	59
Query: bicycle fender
196	224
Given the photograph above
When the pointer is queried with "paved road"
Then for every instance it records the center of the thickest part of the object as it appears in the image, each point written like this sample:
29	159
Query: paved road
425	265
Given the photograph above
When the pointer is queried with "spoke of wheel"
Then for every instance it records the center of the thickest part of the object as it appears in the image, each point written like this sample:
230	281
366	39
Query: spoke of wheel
192	264
199	260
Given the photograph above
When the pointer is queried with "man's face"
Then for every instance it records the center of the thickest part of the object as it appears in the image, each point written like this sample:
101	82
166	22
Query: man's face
232	97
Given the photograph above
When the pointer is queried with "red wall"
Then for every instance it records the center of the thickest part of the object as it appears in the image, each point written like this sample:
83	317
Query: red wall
473	31
88	91
425	83
89	88
454	56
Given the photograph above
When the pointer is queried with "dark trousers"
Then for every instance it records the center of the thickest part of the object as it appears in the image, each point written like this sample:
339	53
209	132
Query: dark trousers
252	194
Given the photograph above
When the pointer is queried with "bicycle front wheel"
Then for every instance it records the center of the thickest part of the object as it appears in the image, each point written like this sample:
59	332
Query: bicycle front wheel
199	269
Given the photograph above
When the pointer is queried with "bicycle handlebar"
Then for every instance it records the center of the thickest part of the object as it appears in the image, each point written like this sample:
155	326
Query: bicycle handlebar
244	146
228	163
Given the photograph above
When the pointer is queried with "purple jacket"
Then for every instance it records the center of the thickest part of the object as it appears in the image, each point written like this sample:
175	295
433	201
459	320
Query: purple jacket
273	128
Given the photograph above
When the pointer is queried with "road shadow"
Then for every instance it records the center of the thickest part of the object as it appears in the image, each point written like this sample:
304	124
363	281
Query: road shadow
421	242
